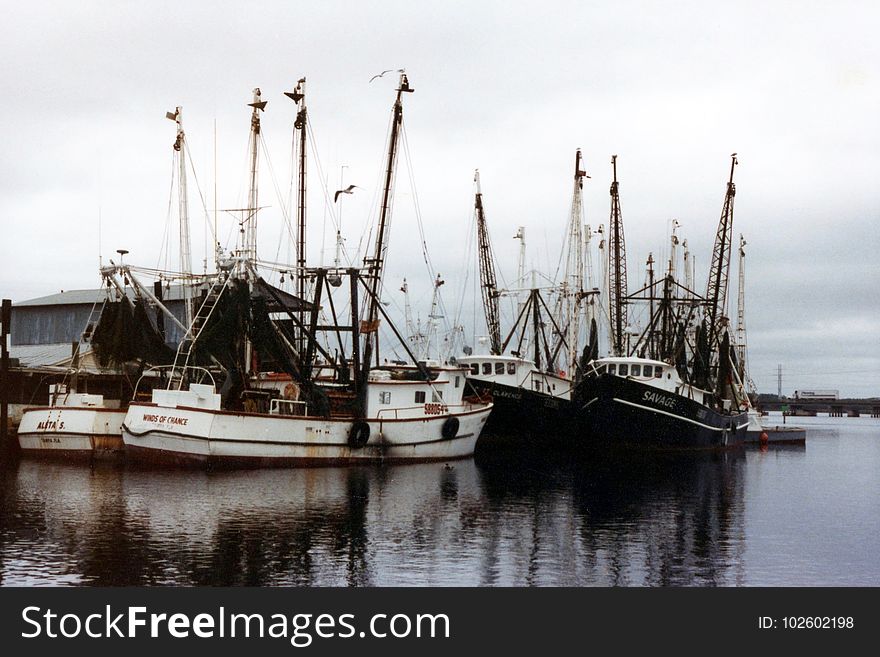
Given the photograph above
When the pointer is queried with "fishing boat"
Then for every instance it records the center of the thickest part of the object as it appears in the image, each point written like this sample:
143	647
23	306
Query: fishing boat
532	392
322	408
79	423
73	425
674	384
119	336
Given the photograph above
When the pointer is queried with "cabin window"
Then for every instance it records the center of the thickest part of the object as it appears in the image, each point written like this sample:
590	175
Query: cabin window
487	368
658	372
420	396
648	370
457	382
437	396
612	368
475	369
636	370
384	397
624	369
499	368
511	368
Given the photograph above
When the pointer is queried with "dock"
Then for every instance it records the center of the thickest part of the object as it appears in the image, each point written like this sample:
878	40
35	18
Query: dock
777	434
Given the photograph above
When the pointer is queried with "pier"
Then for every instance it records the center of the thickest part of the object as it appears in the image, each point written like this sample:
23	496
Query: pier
836	408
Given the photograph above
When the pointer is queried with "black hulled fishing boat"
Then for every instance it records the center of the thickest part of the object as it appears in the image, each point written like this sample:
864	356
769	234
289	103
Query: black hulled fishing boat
530	373
672	385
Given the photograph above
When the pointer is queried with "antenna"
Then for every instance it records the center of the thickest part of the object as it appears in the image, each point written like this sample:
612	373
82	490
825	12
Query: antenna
100	258
217	247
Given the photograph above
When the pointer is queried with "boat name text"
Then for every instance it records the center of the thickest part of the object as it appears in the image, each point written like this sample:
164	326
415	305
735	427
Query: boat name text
50	425
657	398
166	419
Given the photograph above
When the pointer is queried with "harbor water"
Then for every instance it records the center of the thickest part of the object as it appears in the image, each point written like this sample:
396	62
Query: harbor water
776	516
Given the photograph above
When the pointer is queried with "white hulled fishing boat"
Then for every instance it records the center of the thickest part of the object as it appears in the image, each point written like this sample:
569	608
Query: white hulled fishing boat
339	407
119	338
73	425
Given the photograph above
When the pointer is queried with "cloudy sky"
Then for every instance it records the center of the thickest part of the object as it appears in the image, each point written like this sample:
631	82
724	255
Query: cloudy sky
511	88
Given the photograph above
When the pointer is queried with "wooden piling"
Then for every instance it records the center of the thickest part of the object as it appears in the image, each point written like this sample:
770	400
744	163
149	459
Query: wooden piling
5	322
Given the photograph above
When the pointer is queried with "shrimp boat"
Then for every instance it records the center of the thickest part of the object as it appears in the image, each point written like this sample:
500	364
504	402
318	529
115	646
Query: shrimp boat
532	393
77	423
74	425
676	386
119	337
318	407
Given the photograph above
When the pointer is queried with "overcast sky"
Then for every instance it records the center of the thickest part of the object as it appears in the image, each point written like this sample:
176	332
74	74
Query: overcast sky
511	88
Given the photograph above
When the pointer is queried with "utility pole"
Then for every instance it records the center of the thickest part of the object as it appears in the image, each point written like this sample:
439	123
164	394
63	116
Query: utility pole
779	381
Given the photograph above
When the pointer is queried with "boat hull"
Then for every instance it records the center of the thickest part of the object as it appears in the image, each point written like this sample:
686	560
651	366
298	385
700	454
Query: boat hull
778	435
620	412
184	436
521	414
71	432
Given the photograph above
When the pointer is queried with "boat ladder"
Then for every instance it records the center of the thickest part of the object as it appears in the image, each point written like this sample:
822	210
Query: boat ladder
200	320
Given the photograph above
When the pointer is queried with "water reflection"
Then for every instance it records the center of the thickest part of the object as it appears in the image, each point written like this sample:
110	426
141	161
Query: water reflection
521	520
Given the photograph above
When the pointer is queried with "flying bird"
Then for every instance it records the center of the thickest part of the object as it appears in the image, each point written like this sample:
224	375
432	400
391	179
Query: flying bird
400	70
348	190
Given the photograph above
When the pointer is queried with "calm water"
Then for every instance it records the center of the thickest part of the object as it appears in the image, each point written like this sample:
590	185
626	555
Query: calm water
785	516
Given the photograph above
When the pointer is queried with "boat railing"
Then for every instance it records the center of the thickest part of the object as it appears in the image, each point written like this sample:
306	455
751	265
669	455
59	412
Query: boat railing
430	409
288	407
175	371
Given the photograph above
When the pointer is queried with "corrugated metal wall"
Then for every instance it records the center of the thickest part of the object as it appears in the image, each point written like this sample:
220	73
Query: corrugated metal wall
55	324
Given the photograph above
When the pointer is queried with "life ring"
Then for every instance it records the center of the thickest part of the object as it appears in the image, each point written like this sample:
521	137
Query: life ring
291	392
450	428
359	434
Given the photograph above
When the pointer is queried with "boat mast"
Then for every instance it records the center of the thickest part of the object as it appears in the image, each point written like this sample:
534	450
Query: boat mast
249	247
574	280
616	269
414	334
673	249
183	211
298	95
741	312
521	277
376	263
688	266
652	335
433	317
488	282
716	293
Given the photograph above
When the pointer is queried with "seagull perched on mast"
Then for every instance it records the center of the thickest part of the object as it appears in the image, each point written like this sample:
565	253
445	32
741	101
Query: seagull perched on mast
348	190
400	70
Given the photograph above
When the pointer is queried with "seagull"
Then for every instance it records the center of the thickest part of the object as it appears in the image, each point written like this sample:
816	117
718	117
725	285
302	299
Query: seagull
400	70
348	190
